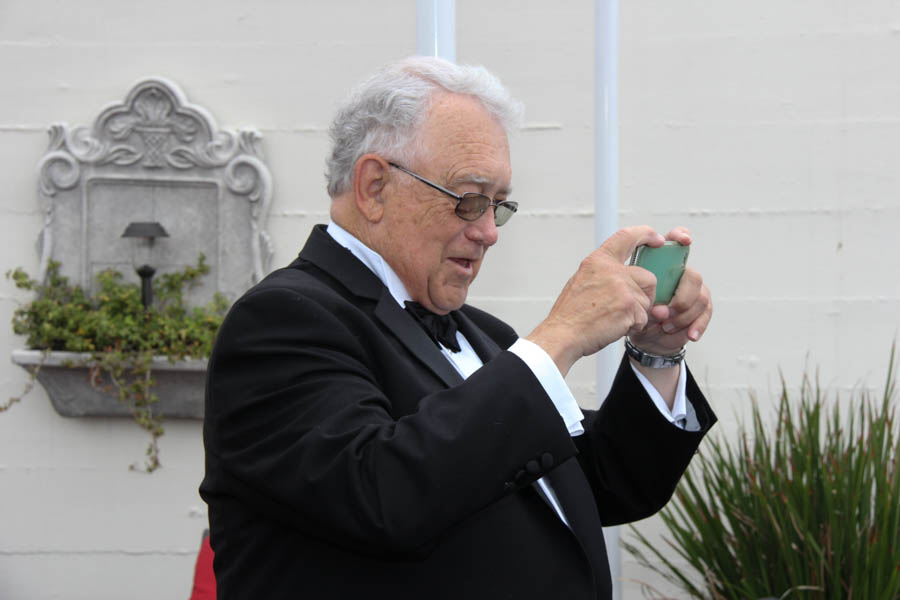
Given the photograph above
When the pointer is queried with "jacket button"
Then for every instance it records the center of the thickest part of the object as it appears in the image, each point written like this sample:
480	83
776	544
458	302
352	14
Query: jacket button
546	460
533	467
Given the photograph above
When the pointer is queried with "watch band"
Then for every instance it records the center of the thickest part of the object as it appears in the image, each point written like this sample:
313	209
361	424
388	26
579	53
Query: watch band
654	361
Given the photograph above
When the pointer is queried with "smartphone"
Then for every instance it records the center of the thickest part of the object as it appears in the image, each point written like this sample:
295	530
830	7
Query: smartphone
667	263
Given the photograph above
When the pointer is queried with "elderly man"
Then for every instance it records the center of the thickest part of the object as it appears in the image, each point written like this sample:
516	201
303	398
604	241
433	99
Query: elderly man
368	434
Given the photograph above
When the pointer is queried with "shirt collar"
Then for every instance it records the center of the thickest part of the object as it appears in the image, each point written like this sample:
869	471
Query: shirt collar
372	260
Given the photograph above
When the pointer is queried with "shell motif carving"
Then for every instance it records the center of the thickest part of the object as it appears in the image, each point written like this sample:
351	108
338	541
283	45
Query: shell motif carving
155	127
152	130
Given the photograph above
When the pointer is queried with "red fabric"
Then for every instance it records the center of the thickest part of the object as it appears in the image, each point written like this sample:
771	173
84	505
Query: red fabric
204	577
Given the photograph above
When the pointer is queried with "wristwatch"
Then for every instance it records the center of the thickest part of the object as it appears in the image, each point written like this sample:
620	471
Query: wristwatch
654	361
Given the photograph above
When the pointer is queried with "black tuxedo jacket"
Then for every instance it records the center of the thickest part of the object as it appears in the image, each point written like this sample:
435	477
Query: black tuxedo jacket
345	457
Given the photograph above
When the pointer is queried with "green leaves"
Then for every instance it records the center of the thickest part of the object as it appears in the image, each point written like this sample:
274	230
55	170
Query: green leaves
805	507
118	333
63	317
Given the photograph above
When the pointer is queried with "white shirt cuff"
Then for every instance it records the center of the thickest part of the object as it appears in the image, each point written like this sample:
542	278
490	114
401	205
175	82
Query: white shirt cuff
553	383
678	414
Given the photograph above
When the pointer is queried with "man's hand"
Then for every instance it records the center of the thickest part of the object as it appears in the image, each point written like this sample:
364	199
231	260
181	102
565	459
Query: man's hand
684	319
605	300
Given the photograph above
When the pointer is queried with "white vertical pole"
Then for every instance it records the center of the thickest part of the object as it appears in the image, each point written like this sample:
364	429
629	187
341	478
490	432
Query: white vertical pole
606	203
606	155
436	28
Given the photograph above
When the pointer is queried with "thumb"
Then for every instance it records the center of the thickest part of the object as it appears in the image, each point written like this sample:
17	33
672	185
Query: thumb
622	243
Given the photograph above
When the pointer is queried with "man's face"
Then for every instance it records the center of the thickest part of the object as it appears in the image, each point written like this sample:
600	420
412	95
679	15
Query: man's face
435	253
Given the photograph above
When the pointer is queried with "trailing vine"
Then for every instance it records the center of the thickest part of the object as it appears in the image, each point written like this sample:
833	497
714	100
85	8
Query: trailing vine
118	334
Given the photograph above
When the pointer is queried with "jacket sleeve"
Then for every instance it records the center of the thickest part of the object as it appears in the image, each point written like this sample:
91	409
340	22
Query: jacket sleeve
631	455
299	429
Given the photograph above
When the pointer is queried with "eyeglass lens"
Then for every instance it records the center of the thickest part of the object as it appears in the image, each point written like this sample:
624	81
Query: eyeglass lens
472	206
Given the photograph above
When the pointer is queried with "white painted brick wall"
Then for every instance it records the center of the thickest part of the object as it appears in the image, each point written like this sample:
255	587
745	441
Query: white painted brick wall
770	129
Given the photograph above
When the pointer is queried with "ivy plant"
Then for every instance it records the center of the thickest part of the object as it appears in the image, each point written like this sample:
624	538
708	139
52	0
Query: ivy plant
117	335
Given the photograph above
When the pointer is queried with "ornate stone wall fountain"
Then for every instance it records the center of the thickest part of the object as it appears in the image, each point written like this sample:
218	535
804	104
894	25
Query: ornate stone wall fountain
151	157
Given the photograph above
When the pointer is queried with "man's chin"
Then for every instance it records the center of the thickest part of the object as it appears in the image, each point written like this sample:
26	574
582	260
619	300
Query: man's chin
450	302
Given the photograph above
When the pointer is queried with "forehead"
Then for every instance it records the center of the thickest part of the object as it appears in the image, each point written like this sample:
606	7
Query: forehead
463	142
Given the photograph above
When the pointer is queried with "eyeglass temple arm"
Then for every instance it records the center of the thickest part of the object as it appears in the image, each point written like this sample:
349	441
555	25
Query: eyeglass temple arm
426	182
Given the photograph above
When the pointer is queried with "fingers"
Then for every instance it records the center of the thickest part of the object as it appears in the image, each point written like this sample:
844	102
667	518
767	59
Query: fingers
645	280
640	310
698	328
623	242
691	308
659	312
695	329
680	235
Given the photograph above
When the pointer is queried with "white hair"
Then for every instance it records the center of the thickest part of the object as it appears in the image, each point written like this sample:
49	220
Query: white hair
383	114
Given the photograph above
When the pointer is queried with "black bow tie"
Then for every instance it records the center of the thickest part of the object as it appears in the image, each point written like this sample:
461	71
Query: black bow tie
440	328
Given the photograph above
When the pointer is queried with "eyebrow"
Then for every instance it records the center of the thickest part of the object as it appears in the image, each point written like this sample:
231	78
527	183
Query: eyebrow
479	180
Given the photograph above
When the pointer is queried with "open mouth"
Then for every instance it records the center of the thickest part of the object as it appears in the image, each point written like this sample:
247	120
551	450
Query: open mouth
463	262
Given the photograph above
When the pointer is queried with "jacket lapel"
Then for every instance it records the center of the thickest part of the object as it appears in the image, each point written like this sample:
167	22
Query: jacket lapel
339	263
485	347
410	333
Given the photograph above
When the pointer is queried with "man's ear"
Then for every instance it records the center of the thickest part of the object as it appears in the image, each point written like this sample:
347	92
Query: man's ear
369	180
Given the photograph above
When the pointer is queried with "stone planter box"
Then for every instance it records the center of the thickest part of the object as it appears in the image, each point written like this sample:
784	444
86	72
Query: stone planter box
179	385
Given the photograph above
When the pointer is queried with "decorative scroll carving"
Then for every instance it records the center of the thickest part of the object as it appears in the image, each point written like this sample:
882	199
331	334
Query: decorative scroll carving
157	148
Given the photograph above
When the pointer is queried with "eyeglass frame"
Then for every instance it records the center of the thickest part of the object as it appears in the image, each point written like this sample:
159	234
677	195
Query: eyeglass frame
509	204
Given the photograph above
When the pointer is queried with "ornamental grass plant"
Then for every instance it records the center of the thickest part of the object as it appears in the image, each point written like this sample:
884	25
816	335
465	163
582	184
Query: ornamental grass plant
808	507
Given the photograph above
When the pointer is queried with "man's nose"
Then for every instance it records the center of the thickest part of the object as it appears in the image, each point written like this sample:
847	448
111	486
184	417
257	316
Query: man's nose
483	229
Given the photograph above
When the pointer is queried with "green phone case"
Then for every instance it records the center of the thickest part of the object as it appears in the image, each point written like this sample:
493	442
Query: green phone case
667	263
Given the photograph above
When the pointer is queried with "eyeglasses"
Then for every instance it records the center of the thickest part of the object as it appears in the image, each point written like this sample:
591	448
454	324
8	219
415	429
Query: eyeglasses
471	205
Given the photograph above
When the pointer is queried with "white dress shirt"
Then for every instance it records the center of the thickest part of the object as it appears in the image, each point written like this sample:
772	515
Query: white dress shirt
466	361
